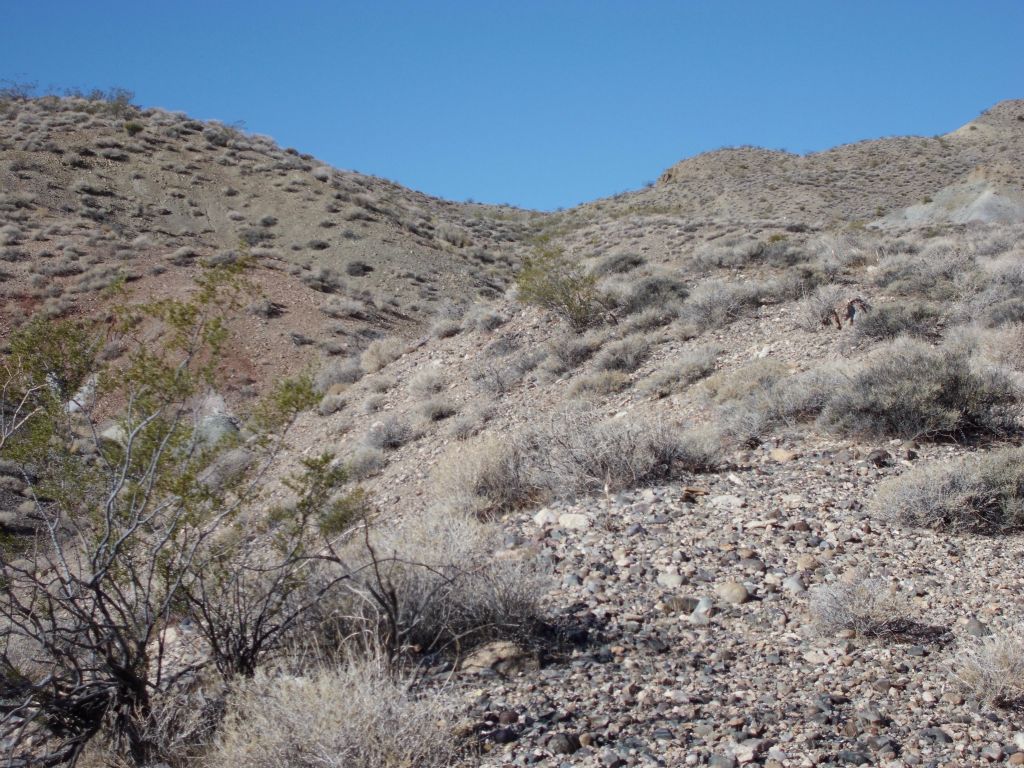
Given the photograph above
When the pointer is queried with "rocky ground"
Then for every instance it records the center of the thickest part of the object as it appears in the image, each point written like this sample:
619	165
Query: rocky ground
699	645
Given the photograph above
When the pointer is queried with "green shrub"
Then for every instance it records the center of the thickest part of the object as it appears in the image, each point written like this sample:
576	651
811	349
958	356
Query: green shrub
551	281
979	495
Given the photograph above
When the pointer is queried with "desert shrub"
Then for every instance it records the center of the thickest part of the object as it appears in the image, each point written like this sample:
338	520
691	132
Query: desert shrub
940	272
437	409
864	605
382	352
323	279
682	372
365	462
654	291
341	308
983	495
487	477
445	328
735	384
908	389
1000	302
484	318
624	355
835	253
553	282
887	321
651	319
564	353
497	378
991	669
617	264
388	433
714	303
575	453
599	383
360	715
336	373
729	252
817	309
752	411
330	404
429	381
447	585
466	425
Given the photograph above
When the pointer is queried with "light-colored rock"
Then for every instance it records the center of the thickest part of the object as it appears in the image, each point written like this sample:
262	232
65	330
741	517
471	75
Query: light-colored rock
733	592
574	521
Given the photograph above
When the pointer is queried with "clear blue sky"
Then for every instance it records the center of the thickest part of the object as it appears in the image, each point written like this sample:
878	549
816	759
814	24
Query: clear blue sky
540	103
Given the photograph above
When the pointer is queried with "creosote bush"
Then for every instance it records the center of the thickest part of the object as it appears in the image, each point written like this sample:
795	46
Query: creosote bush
982	495
551	281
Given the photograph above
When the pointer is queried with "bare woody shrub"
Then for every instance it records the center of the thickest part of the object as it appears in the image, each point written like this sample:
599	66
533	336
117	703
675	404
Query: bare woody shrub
360	715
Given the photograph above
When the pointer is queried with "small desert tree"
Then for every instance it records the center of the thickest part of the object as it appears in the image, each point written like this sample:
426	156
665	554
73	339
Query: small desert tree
135	532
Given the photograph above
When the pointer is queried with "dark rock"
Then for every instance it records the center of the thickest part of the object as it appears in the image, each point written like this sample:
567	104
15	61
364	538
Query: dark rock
852	757
563	743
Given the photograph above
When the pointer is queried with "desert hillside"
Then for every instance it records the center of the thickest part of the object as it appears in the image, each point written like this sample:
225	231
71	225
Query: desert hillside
724	471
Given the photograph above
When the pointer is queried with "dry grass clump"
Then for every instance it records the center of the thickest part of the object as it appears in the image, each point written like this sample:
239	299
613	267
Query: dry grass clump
572	453
909	389
491	476
360	715
382	352
625	355
337	374
599	383
983	495
681	373
992	668
864	605
365	462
